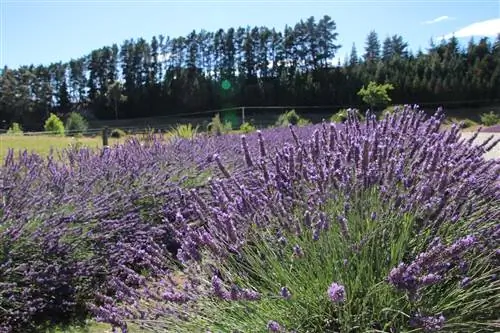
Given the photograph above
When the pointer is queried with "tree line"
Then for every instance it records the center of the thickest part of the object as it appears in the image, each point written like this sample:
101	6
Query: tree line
248	66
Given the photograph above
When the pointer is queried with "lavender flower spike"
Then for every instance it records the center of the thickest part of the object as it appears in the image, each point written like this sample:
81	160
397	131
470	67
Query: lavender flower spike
285	293
336	293
273	326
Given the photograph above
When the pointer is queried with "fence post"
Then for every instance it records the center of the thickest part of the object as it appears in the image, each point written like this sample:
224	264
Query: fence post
242	114
105	137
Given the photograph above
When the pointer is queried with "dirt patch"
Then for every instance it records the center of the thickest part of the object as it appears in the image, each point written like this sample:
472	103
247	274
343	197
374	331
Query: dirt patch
482	136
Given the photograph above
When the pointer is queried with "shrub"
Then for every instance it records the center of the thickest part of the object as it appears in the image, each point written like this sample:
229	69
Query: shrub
376	94
15	129
339	117
216	127
389	226
489	119
117	133
291	118
343	114
54	125
76	124
76	229
185	131
467	123
246	127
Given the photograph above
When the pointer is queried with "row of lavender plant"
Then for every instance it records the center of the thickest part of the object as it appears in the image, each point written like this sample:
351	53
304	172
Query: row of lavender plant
382	225
80	225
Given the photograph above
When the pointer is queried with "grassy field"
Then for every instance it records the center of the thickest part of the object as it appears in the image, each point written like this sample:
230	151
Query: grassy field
42	144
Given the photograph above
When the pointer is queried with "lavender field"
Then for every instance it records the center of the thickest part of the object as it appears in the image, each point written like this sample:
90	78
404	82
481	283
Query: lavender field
388	225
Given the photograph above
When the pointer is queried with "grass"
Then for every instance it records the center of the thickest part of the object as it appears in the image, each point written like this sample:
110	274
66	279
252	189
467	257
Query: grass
308	280
42	144
93	327
90	328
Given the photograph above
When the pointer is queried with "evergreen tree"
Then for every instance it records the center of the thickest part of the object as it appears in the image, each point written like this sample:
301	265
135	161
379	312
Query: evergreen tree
372	48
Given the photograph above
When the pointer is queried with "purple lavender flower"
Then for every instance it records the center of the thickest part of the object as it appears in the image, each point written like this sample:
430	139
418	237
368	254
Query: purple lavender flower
235	293
128	223
273	326
429	267
218	287
336	293
285	293
465	282
307	219
297	251
343	226
250	295
430	279
428	323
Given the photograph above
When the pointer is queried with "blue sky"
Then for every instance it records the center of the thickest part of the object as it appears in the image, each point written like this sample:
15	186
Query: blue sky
38	31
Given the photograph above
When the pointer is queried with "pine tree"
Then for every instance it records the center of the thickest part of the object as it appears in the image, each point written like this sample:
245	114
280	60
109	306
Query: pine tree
372	48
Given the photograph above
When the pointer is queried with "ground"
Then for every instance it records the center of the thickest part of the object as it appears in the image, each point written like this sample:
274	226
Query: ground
495	152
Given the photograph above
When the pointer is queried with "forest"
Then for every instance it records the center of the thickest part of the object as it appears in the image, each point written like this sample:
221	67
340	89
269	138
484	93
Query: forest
247	66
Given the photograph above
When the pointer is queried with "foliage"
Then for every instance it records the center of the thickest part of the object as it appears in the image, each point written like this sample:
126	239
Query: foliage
386	225
216	127
491	118
185	131
94	223
376	94
60	233
115	96
76	124
291	118
300	280
117	133
316	239
54	125
343	114
246	127
15	129
339	117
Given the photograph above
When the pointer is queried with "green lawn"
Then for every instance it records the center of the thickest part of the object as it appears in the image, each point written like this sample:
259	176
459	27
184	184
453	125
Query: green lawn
42	144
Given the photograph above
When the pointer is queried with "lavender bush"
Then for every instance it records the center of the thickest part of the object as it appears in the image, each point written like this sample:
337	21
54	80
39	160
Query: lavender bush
82	229
310	229
340	233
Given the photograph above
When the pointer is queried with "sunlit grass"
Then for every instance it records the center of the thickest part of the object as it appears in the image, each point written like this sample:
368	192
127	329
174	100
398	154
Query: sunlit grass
42	144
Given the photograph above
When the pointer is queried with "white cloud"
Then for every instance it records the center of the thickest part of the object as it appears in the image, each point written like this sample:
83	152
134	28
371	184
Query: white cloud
438	19
488	28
